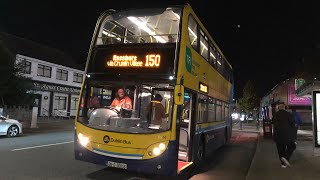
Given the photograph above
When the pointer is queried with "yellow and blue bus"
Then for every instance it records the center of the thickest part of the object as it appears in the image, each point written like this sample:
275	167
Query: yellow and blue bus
147	53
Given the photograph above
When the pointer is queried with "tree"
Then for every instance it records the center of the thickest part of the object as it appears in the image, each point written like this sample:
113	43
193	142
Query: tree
13	85
249	100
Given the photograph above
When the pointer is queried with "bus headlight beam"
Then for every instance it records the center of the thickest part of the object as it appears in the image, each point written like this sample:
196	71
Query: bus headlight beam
83	139
156	151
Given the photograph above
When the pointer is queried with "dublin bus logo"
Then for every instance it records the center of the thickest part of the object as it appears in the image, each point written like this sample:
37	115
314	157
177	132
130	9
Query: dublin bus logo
106	139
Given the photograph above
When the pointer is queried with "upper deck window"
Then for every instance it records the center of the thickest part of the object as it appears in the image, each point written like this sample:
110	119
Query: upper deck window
213	56
140	26
204	51
193	31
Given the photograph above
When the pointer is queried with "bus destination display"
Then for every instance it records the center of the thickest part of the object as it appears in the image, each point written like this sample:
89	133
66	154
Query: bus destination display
149	61
140	59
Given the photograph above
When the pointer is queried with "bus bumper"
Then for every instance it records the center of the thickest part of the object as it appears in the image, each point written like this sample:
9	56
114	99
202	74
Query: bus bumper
164	164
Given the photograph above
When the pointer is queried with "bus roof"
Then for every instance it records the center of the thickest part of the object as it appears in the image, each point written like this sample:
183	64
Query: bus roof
183	6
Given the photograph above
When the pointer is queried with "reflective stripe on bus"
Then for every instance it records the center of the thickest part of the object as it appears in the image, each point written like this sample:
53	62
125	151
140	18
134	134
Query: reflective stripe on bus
118	155
209	128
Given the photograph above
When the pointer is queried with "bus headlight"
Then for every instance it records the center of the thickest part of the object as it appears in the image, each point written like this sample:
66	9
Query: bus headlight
83	139
156	151
162	146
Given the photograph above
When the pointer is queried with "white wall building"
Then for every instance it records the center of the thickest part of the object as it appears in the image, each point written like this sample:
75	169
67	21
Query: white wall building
58	86
56	77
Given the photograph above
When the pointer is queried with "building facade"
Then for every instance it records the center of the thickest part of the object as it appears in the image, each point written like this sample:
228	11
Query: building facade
56	78
58	86
286	92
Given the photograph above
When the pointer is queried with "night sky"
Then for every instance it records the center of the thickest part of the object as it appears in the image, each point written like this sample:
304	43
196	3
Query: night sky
263	40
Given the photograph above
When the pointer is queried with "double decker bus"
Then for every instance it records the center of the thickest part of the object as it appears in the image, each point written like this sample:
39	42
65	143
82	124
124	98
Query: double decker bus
148	53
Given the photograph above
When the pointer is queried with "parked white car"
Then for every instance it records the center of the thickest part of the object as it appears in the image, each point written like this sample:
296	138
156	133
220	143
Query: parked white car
10	127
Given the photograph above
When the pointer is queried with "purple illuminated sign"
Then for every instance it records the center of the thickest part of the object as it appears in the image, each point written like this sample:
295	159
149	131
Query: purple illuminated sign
293	99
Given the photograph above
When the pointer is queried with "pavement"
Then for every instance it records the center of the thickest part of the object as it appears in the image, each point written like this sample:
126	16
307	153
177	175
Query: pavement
305	160
50	125
232	161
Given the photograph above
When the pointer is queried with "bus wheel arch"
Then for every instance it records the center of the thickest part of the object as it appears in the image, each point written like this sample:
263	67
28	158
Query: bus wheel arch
226	135
201	148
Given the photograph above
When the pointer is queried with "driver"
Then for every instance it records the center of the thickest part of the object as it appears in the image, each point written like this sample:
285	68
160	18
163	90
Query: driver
121	100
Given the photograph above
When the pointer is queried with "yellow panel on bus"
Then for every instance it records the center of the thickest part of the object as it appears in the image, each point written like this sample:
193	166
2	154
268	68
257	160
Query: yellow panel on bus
194	69
103	142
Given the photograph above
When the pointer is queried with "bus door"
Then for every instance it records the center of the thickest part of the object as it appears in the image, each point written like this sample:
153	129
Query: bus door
186	127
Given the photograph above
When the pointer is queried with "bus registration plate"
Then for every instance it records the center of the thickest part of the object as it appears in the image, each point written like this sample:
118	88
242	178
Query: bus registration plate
117	165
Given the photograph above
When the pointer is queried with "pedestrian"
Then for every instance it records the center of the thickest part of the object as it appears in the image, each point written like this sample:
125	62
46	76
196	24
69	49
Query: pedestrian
284	128
297	123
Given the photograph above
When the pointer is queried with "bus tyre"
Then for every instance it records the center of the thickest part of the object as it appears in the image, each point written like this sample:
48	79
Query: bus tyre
200	152
225	136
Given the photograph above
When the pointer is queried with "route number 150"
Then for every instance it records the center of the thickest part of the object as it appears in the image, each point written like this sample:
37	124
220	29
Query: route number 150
153	60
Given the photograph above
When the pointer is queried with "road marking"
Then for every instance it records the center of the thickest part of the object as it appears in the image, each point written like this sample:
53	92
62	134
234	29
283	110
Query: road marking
32	147
136	178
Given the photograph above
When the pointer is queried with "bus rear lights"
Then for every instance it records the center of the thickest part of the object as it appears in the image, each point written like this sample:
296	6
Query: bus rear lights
83	139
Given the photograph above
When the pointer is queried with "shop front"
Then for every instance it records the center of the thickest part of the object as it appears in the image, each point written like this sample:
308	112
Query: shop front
56	100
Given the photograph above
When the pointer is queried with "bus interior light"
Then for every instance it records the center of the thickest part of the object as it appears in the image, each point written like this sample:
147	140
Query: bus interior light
144	94
167	96
144	27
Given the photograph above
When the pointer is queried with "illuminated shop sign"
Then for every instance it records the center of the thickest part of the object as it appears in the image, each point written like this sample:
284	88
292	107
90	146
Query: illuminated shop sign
203	88
293	99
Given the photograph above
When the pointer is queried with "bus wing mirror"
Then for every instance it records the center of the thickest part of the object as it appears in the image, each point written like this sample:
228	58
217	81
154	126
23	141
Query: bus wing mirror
179	94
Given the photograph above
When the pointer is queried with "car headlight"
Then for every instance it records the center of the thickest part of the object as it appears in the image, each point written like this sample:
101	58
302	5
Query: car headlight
83	139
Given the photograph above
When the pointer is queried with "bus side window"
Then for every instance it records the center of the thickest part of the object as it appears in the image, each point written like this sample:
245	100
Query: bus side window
202	108
186	111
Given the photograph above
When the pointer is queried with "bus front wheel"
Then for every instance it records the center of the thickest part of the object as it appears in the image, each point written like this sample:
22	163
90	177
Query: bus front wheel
200	152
